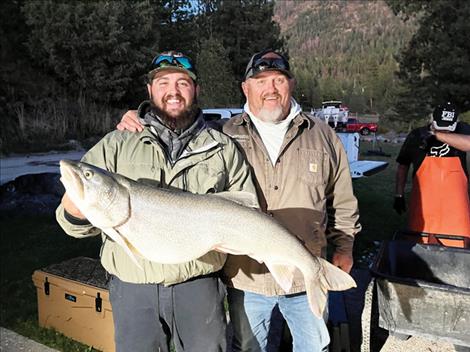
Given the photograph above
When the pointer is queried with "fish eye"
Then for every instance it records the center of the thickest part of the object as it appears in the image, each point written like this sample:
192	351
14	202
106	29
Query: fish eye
88	174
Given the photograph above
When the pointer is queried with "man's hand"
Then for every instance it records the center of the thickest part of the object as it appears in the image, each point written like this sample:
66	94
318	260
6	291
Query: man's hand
425	136
71	208
343	261
130	122
399	204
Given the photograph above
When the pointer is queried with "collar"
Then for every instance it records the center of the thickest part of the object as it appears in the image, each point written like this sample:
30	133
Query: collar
299	119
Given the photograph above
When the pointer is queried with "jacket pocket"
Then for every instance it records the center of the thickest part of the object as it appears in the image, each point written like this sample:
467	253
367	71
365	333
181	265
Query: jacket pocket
204	178
311	166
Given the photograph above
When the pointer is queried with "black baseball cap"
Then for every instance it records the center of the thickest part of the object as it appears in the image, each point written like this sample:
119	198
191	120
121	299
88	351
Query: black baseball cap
267	60
445	117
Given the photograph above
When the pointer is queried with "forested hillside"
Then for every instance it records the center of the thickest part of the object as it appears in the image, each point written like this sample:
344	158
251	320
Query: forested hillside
344	50
68	69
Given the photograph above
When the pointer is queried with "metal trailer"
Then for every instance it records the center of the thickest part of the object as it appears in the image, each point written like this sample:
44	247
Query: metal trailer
424	290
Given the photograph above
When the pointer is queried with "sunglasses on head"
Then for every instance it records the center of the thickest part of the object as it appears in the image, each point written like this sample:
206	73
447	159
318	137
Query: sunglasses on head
170	60
262	64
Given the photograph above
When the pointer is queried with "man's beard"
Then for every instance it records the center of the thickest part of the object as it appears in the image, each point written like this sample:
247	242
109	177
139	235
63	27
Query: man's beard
271	116
177	122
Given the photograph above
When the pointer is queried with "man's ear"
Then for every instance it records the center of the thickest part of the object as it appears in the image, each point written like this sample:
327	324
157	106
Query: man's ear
292	84
149	89
245	89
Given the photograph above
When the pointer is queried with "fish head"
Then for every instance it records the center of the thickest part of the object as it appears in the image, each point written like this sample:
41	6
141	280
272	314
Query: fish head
99	195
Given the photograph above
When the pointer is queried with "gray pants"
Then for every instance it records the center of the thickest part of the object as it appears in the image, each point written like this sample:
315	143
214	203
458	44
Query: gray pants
148	316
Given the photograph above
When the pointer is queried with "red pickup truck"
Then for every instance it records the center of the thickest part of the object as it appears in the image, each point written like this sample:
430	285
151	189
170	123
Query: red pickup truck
364	128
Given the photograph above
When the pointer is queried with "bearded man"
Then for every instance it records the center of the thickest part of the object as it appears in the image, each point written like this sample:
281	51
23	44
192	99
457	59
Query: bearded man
157	303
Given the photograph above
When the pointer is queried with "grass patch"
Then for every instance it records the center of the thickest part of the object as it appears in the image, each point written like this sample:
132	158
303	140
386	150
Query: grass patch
375	195
29	243
33	242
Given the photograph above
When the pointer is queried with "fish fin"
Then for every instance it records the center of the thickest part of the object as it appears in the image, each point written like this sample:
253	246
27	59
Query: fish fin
317	297
225	249
120	240
330	278
283	274
259	260
240	197
335	279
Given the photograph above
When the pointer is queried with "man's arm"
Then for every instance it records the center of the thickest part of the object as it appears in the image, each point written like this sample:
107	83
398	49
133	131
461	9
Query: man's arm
399	203
456	140
130	122
400	179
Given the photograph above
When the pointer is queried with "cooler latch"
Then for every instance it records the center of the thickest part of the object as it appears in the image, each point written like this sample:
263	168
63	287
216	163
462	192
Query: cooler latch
98	302
46	287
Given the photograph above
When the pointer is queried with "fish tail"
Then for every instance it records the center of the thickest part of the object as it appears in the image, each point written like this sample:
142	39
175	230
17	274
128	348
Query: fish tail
317	297
330	278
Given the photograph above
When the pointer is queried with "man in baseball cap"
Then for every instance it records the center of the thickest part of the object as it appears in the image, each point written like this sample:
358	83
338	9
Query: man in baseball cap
156	303
303	181
439	201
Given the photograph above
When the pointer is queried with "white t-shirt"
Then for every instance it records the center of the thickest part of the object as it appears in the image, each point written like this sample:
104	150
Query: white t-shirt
272	134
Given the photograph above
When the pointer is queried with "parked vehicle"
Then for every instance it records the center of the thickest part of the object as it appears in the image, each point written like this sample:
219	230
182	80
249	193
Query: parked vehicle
217	117
364	128
334	113
220	114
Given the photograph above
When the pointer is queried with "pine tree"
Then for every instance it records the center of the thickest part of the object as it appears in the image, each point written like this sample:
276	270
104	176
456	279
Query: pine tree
218	86
244	27
95	48
435	66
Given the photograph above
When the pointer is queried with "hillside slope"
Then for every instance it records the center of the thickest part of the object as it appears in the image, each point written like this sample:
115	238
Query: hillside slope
343	50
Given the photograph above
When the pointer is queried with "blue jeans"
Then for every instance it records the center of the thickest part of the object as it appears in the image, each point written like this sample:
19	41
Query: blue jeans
256	328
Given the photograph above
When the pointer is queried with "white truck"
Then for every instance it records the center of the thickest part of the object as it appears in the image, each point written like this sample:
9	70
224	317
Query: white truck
333	113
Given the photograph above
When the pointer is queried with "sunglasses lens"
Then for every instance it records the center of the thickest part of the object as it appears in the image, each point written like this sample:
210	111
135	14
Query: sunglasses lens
168	60
263	64
184	61
162	58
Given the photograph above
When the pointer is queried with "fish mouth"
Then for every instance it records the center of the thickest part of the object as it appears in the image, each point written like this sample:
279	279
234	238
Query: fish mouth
70	178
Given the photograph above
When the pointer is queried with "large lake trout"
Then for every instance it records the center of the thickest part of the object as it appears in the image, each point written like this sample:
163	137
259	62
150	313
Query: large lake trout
172	227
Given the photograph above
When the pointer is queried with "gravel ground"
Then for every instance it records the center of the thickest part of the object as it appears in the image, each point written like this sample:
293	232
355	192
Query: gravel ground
12	342
416	344
380	339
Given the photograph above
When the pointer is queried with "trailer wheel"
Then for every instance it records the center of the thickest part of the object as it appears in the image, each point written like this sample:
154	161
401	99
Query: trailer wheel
365	131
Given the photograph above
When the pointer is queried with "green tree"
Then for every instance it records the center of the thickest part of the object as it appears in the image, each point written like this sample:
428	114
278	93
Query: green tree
219	88
435	66
176	25
96	48
244	27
